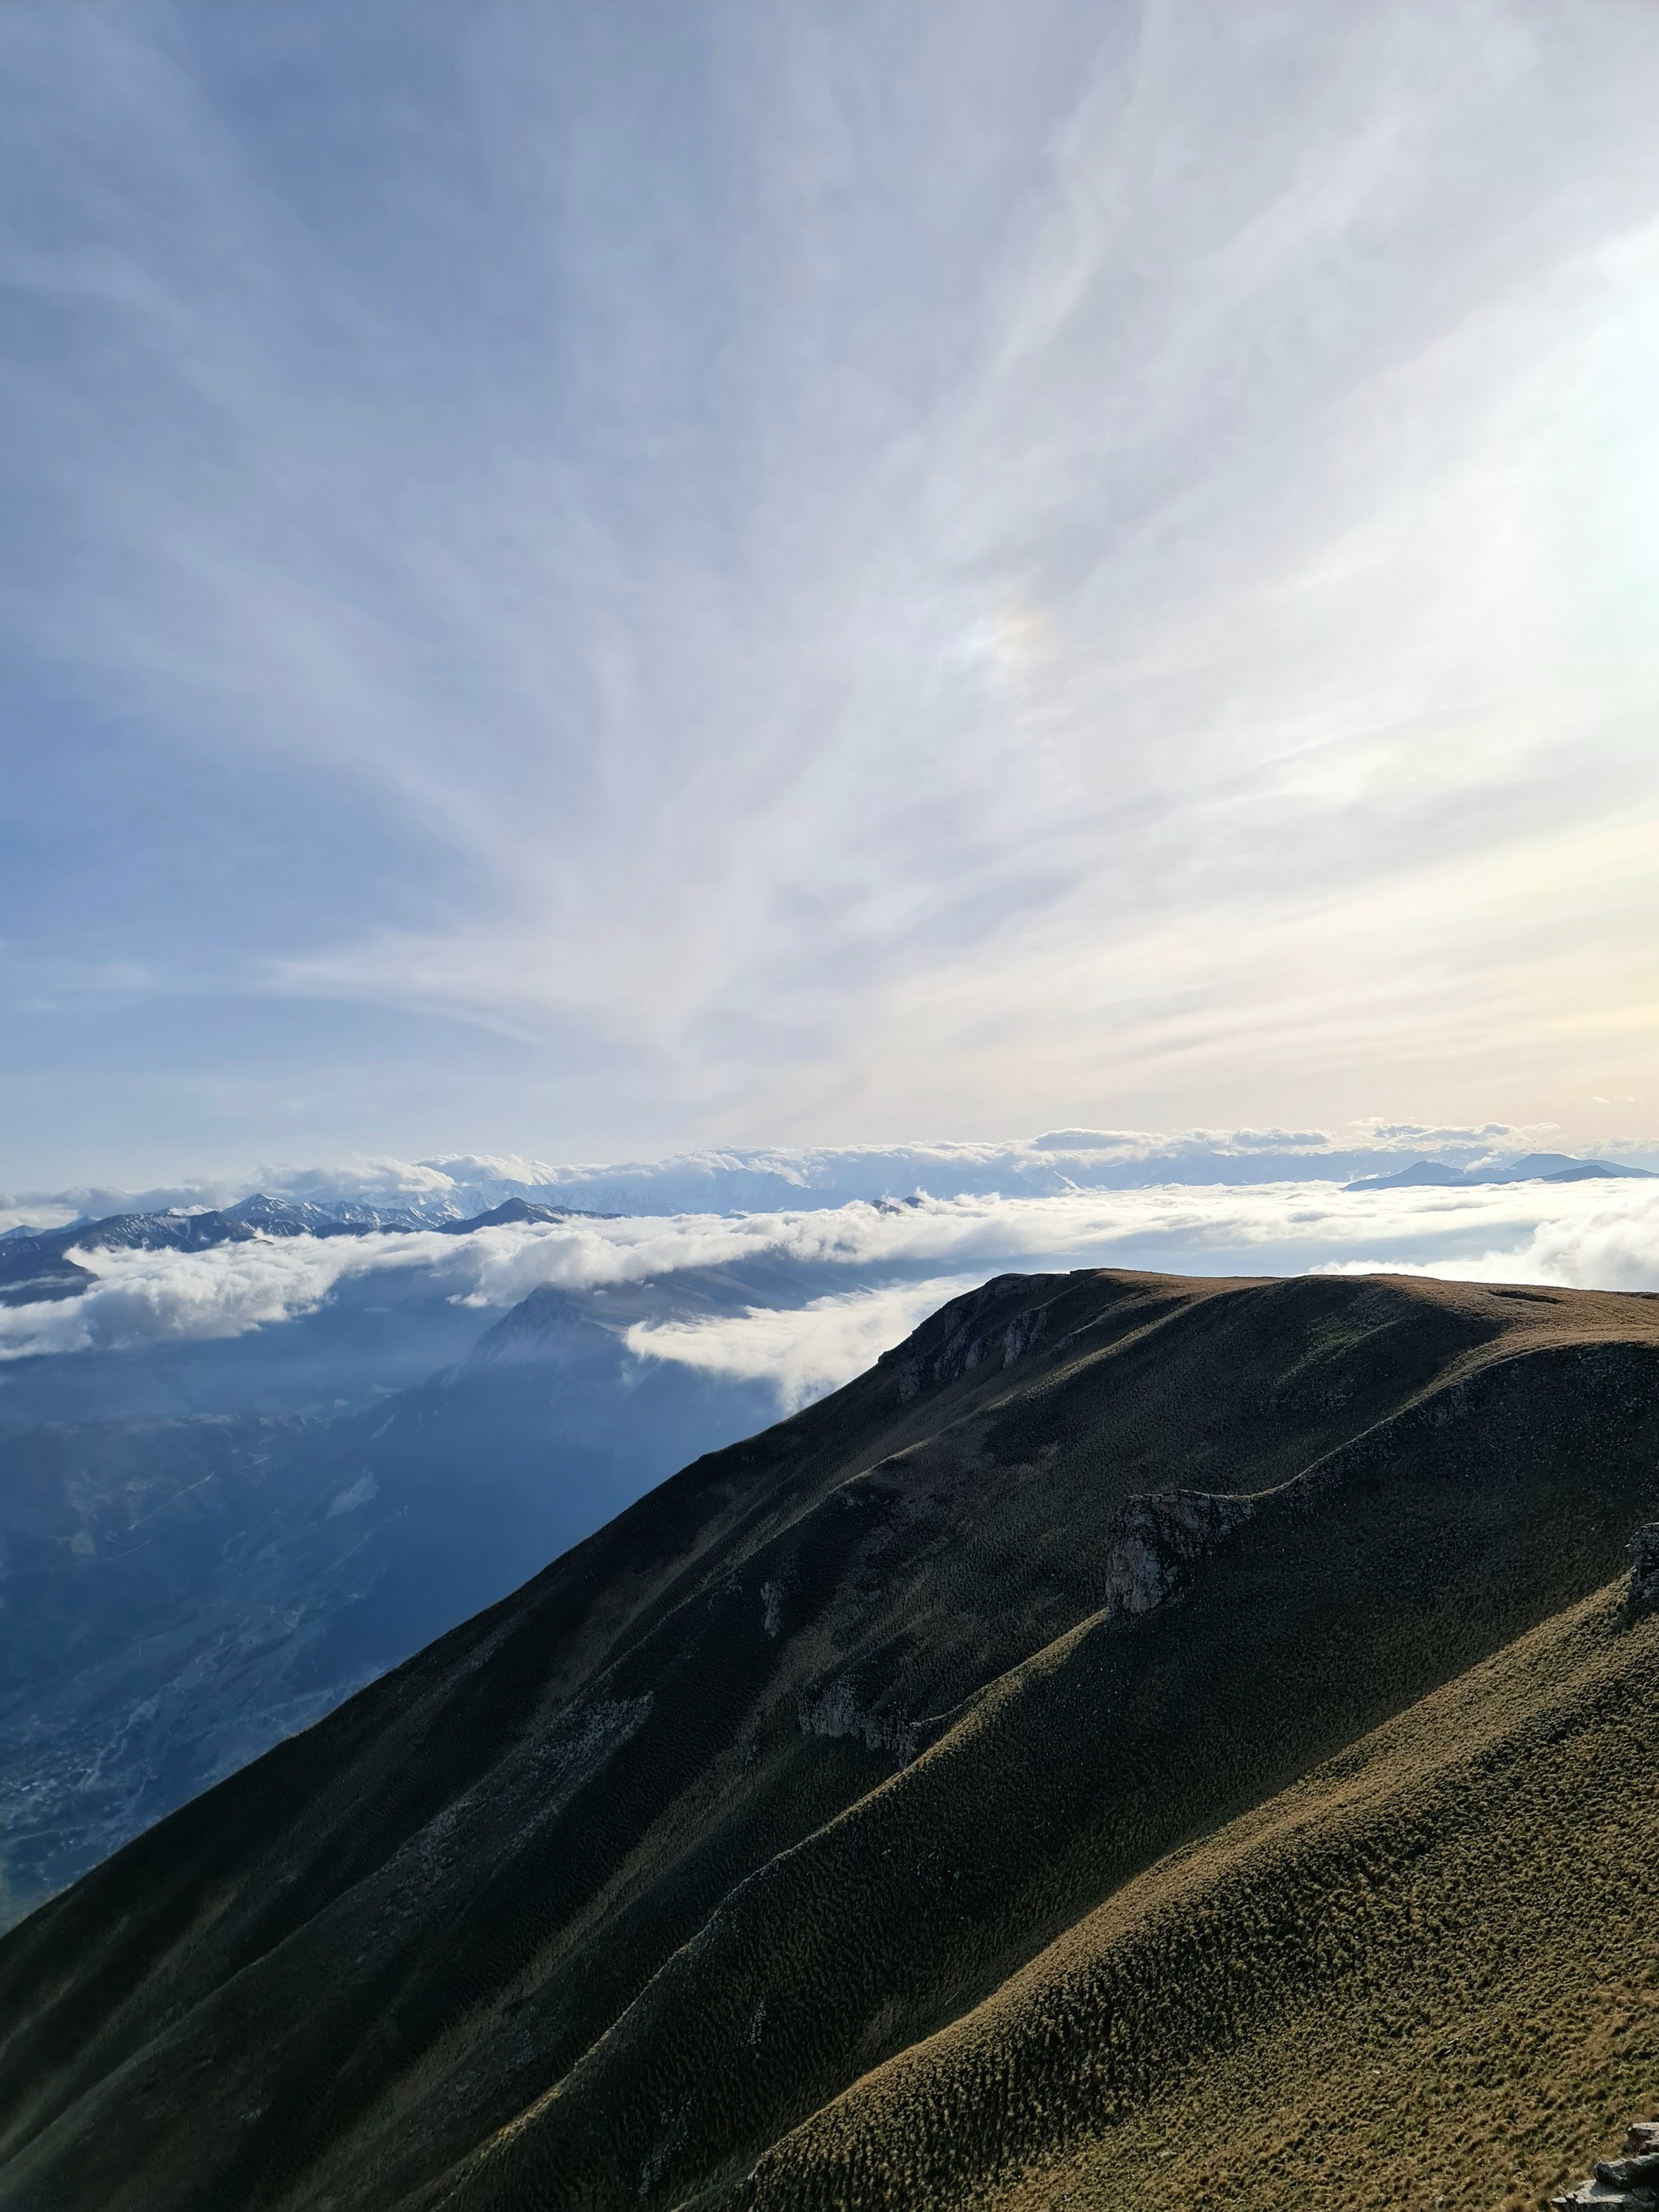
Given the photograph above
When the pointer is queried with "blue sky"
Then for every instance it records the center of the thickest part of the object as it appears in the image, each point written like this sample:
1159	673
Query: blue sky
580	579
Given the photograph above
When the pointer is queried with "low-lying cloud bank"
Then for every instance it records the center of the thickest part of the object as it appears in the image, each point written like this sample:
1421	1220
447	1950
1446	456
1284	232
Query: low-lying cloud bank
766	1179
802	1351
860	1274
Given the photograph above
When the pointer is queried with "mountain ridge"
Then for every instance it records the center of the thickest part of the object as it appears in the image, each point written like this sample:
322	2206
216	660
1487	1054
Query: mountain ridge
1534	1167
35	1265
558	1912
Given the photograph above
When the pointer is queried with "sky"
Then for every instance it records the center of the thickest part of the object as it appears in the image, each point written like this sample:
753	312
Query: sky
585	578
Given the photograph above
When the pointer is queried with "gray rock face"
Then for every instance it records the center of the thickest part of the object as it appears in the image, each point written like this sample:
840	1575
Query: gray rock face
1629	2172
1645	1564
834	1710
1630	2184
981	1337
772	1597
1155	1544
1156	1541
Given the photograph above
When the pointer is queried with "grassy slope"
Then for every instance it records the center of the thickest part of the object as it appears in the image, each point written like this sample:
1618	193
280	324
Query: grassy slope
1349	1595
572	1910
1424	1976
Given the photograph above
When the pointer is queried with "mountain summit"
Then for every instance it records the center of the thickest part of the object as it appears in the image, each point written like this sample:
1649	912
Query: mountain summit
1143	1734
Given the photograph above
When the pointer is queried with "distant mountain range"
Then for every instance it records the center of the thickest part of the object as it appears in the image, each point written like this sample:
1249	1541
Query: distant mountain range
1149	1740
1533	1167
454	1187
35	1265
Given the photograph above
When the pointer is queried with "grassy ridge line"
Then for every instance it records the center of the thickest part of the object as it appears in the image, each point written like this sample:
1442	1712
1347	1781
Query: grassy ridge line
1494	1846
374	1956
1091	1761
245	1897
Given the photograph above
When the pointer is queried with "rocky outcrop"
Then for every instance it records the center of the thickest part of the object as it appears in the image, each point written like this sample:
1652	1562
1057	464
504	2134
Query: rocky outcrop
981	1337
834	1710
1630	2184
1154	1543
1645	1564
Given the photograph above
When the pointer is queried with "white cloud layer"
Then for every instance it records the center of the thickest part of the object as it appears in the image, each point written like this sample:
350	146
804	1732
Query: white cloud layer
866	1268
1609	1242
761	1178
801	1350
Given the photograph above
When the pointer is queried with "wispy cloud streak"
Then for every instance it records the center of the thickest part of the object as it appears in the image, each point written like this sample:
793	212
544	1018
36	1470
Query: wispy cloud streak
1097	562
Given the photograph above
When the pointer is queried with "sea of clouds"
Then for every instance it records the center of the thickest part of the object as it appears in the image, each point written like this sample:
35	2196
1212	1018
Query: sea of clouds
861	1272
760	1179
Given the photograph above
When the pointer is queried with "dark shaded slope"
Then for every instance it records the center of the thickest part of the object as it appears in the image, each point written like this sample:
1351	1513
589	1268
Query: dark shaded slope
176	1596
600	1894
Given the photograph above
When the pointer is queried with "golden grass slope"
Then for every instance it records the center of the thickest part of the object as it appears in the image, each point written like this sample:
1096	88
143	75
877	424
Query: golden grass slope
1425	1976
